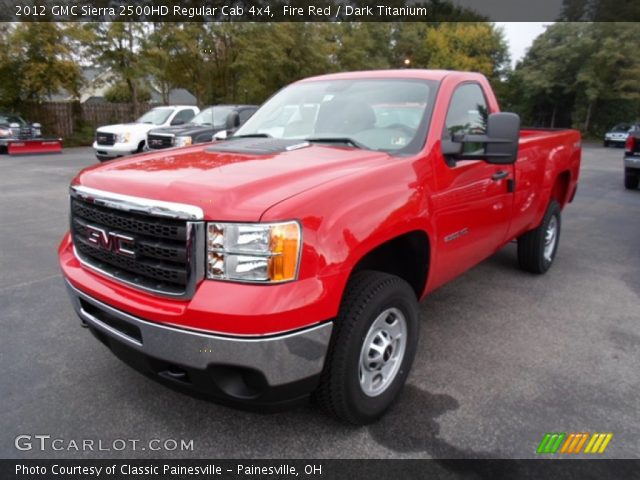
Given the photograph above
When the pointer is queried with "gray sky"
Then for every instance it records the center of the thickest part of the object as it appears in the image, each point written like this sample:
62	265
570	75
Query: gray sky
520	36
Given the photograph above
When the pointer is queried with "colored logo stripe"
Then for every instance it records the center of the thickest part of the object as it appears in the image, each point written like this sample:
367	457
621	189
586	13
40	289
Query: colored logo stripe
551	442
598	443
574	442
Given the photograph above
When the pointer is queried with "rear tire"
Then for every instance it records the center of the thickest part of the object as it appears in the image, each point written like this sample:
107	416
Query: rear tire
537	248
631	178
372	348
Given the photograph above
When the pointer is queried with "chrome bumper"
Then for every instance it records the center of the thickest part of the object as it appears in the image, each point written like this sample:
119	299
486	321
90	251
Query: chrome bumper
282	359
632	161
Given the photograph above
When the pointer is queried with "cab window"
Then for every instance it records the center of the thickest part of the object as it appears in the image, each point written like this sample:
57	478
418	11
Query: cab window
468	113
183	116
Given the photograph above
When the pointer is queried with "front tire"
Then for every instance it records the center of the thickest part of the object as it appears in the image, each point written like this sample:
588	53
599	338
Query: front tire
631	178
372	348
605	144
537	248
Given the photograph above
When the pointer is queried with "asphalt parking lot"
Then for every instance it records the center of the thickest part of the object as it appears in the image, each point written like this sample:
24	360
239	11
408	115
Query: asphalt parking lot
504	356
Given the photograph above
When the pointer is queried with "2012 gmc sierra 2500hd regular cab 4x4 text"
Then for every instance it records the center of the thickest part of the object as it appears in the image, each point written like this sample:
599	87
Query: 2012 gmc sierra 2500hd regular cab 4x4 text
289	260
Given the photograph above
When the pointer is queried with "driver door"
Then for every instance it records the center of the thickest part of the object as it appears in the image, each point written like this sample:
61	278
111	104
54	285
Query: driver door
472	204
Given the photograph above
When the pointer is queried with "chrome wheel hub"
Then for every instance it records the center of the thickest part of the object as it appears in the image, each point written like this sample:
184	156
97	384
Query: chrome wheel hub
550	238
382	352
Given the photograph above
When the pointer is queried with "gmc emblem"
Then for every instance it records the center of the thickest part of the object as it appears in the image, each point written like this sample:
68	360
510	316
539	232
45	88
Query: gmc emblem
111	241
155	142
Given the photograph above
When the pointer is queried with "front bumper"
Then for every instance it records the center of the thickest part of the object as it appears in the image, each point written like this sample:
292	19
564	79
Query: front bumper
114	151
632	161
253	371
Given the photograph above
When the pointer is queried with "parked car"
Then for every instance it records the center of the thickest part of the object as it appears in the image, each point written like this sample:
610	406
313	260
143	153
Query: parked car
19	137
14	127
617	136
289	259
632	161
200	128
113	141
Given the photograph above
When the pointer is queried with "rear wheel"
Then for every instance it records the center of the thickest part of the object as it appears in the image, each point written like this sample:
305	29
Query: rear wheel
372	348
537	248
631	178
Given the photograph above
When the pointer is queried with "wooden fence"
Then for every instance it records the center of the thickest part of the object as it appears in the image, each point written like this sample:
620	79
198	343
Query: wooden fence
62	119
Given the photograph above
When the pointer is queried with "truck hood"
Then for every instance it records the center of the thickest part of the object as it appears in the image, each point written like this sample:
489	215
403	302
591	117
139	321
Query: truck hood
189	129
141	128
227	185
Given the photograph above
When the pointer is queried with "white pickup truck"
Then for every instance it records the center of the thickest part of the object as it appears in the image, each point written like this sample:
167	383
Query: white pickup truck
113	141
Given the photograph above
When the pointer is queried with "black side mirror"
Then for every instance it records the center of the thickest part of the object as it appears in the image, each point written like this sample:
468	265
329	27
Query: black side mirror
177	121
233	122
503	130
500	142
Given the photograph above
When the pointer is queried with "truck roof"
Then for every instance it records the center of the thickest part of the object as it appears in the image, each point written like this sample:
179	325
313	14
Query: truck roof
422	74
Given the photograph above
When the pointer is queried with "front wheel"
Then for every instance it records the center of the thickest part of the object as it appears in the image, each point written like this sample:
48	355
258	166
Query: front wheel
372	348
537	248
631	178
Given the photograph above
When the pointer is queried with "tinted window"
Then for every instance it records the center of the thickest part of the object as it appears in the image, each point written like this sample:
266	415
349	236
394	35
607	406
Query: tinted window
156	116
9	119
246	114
183	116
468	111
216	116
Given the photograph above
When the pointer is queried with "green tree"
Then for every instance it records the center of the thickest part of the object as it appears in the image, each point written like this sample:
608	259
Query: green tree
476	46
46	62
271	55
117	46
579	74
361	46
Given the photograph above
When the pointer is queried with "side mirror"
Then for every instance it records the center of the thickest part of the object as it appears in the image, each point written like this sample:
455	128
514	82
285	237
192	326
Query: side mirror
500	143
221	135
177	121
233	122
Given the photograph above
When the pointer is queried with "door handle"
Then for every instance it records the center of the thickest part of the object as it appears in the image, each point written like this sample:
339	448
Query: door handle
499	175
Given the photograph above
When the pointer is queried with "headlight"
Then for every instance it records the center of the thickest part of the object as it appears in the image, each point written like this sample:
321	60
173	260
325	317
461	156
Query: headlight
5	132
253	252
123	137
182	141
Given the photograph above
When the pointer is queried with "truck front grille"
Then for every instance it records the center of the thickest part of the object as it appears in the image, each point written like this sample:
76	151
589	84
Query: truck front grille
158	254
159	141
103	138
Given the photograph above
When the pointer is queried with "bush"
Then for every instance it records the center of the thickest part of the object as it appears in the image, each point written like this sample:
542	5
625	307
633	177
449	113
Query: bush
119	93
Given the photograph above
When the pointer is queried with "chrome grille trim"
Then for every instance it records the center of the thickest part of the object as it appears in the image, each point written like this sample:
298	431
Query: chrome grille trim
194	240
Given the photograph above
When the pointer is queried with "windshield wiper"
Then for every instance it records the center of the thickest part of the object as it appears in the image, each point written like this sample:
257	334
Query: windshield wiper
345	140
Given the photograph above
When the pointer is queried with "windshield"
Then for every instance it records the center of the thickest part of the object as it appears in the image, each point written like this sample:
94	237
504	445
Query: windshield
216	116
388	114
9	119
621	127
156	116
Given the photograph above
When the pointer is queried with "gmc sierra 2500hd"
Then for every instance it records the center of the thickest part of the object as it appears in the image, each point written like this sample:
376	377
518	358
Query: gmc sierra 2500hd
289	260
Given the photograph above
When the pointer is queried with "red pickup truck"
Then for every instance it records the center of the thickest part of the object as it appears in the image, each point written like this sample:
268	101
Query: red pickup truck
290	259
